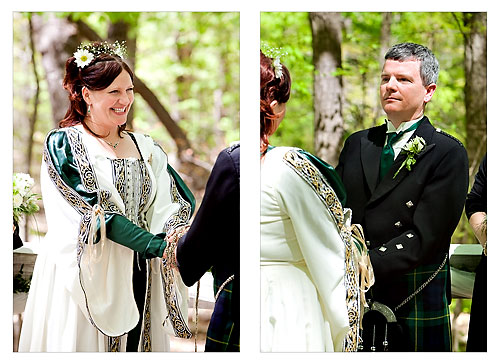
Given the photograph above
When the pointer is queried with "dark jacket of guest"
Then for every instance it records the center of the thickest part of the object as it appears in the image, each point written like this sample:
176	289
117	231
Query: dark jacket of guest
477	202
213	242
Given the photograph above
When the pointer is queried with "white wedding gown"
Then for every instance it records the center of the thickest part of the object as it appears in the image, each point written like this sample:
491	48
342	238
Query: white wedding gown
81	300
303	296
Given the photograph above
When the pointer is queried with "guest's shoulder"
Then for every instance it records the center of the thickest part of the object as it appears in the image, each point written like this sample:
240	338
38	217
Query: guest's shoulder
233	151
229	159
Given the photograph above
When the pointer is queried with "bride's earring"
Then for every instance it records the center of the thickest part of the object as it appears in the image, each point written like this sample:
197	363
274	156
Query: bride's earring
88	109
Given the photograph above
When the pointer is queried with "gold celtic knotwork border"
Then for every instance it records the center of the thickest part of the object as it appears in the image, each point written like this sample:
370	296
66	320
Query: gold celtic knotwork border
310	174
181	218
89	181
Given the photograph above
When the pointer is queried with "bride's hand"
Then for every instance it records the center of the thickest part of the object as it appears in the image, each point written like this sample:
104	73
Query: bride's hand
172	238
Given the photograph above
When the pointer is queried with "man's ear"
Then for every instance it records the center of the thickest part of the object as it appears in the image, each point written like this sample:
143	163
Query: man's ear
429	91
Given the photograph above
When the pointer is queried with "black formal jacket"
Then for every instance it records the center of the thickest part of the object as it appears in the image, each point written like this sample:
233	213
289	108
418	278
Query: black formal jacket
214	237
413	215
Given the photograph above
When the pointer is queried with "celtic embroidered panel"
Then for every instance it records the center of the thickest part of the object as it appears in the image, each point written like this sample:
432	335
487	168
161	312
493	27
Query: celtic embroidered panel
181	218
309	173
84	208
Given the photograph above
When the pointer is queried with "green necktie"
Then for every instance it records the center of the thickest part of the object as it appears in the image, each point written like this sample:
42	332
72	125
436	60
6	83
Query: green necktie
387	156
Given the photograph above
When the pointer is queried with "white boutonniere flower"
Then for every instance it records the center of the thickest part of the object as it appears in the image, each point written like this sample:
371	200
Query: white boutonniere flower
83	57
411	149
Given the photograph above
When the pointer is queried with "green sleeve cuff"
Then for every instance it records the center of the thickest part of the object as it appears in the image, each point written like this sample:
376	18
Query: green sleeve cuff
126	233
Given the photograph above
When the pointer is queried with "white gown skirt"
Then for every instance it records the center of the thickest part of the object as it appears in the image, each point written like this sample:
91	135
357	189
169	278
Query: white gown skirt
292	319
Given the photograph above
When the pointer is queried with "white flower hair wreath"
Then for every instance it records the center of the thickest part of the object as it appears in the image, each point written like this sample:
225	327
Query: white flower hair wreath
275	54
86	53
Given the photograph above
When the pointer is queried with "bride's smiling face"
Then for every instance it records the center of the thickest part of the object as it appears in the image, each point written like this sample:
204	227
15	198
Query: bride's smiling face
109	107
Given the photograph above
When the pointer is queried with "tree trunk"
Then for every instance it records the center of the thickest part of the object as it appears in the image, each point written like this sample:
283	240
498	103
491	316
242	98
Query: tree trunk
328	121
385	36
120	31
195	170
475	87
175	131
55	39
33	116
385	44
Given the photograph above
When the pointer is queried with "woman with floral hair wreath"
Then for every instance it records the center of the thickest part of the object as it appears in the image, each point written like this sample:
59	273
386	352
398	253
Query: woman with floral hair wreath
314	263
103	279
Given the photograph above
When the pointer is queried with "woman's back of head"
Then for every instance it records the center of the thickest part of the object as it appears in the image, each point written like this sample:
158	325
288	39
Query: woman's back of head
272	88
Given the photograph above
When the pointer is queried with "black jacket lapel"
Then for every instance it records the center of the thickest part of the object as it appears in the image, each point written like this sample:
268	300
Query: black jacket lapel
371	148
426	131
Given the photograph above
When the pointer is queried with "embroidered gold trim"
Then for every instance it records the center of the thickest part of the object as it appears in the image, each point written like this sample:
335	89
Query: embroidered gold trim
114	344
181	328
146	320
89	181
304	168
133	183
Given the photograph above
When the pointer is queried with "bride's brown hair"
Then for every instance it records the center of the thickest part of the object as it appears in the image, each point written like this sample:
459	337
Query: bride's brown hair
97	75
271	88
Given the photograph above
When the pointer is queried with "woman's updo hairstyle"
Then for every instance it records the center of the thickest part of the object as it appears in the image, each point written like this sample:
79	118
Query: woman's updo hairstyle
271	88
97	75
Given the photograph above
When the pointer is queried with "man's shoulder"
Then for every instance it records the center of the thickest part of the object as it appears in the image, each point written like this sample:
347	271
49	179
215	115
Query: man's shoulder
367	132
443	137
375	134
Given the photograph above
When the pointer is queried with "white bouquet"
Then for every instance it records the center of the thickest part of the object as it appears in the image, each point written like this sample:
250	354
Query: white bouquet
23	199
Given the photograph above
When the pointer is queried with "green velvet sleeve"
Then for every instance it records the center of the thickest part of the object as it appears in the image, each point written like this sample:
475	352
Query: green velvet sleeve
125	232
118	228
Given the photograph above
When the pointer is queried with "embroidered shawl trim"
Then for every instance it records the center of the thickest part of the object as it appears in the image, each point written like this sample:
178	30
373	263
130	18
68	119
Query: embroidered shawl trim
309	173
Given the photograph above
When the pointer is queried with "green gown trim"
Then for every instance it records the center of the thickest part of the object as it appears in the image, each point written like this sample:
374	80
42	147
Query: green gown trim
182	188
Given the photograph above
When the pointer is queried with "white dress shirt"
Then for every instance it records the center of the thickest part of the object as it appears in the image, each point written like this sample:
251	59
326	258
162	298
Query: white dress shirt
400	143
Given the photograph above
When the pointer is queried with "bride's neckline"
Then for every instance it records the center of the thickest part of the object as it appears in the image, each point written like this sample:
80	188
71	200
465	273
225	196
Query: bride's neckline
106	153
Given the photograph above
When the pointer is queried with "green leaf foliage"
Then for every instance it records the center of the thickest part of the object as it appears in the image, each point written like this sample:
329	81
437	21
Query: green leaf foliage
292	32
189	60
361	66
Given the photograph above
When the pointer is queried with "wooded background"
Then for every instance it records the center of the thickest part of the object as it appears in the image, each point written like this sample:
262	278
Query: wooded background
186	67
187	80
335	61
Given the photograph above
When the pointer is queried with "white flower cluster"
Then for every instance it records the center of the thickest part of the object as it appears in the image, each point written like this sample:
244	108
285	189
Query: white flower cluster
416	145
86	53
275	54
412	148
23	199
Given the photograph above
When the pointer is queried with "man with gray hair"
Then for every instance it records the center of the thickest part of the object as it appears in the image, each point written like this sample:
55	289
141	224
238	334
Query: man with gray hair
406	184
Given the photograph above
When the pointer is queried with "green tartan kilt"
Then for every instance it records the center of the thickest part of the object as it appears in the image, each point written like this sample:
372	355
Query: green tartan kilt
223	332
425	319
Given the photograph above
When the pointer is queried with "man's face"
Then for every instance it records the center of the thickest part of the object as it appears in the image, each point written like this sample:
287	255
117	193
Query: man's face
402	94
